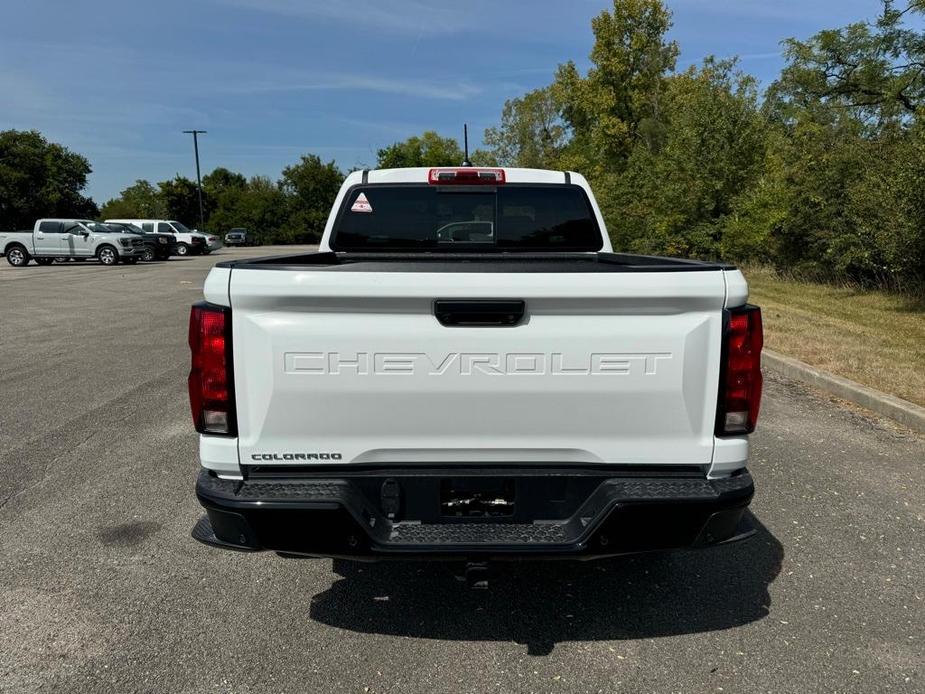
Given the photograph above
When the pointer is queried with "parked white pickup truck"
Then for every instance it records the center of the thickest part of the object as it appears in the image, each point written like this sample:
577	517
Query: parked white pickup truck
466	369
188	242
69	238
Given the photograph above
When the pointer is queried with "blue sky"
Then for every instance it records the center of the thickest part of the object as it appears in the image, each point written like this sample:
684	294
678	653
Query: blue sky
271	79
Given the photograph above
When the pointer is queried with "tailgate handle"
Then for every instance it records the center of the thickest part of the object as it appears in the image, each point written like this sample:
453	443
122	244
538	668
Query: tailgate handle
479	312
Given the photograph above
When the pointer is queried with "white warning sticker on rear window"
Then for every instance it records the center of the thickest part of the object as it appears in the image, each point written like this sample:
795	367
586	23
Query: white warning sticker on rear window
361	204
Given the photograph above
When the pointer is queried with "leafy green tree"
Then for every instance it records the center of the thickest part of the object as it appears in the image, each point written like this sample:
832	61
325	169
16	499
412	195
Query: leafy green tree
39	178
484	157
882	242
222	190
675	199
310	188
221	179
837	198
428	149
835	204
906	245
259	206
180	197
616	106
532	133
875	72
141	199
799	207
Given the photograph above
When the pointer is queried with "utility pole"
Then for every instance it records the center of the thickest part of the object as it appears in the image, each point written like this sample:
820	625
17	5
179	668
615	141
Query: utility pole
196	134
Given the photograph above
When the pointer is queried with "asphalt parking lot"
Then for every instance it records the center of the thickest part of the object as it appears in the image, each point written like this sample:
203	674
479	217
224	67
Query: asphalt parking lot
102	588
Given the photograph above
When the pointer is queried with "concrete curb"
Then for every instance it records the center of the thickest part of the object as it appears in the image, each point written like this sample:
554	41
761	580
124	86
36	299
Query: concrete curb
907	413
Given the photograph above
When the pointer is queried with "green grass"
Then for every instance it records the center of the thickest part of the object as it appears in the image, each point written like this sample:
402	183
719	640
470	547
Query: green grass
872	337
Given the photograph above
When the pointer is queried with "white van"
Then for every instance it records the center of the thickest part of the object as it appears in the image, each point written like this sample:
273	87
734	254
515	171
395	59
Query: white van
188	242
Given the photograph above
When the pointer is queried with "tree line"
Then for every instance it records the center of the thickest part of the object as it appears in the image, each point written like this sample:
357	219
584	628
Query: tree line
292	209
821	175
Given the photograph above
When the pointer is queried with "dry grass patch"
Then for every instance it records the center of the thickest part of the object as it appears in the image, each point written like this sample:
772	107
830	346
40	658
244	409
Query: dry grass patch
873	337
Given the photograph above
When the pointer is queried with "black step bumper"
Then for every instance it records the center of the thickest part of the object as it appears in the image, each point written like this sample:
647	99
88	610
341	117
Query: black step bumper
462	513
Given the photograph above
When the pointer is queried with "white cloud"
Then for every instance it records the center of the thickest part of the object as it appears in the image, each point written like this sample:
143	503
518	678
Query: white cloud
394	16
760	56
793	11
451	91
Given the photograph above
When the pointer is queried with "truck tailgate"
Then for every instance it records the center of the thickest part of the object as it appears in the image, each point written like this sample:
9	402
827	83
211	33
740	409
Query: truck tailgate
354	367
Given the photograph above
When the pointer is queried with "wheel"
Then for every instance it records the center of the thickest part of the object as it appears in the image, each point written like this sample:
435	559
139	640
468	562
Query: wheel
182	249
107	255
17	256
44	261
148	254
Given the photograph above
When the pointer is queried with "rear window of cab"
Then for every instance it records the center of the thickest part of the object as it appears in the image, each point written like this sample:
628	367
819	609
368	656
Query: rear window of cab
421	217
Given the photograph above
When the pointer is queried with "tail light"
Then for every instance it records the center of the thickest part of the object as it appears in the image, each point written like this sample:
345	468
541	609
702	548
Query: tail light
466	176
740	375
211	383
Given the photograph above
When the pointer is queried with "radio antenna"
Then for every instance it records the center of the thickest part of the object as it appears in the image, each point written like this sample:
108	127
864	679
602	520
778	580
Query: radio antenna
466	161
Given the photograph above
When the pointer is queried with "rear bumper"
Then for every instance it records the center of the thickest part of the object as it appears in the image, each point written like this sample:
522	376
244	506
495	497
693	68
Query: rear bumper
411	513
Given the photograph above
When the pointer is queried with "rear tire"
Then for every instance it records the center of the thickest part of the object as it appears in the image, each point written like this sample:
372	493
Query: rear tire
44	261
148	255
107	255
182	249
17	256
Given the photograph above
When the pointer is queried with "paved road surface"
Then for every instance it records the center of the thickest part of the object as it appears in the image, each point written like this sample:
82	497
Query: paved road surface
101	588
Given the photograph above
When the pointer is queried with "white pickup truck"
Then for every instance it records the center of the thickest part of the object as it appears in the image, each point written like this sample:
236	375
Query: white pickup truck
70	238
188	242
465	369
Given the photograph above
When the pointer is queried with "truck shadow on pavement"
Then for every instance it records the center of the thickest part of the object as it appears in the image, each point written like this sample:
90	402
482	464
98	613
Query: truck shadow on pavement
541	604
